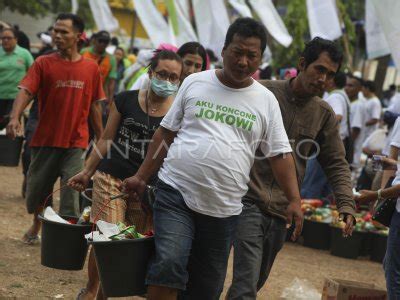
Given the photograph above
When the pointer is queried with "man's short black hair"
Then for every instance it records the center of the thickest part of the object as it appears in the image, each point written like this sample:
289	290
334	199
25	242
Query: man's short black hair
246	28
340	80
370	85
318	45
360	81
102	35
77	21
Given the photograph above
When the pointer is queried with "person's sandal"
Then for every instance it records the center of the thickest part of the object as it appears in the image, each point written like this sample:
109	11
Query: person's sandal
81	293
30	239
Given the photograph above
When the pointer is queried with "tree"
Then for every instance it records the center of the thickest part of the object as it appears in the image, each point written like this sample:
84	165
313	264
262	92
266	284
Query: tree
296	22
34	8
40	8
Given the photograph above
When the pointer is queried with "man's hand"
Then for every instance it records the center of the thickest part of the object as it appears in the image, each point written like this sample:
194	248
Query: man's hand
294	212
79	182
13	128
134	186
348	229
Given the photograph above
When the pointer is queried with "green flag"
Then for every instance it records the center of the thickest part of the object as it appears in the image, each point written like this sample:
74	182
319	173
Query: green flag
172	16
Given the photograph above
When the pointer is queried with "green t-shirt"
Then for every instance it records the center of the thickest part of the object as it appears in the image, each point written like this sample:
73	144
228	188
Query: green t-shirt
13	67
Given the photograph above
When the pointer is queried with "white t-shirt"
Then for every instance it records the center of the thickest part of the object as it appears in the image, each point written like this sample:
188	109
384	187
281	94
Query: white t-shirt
376	141
218	131
395	108
394	105
373	111
395	98
395	141
358	120
339	102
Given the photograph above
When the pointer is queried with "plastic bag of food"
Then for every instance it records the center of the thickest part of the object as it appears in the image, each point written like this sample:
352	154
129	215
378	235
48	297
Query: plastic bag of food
85	216
127	233
51	215
300	289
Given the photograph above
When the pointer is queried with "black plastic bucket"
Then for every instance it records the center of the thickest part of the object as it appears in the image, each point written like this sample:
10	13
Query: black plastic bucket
378	247
64	246
123	265
316	235
10	151
366	243
349	247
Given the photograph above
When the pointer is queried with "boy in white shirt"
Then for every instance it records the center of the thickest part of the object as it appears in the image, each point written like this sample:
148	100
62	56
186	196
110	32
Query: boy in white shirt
340	103
357	117
373	107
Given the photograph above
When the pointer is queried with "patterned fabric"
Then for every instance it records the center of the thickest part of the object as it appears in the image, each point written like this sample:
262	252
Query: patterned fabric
118	210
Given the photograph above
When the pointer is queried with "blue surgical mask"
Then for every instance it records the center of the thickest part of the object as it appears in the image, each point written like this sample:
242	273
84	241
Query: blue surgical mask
163	88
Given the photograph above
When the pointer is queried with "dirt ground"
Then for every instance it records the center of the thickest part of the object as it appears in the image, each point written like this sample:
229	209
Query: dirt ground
22	276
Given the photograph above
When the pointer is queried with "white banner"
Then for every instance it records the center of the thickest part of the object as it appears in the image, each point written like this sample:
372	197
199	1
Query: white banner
241	7
212	23
323	19
186	32
103	16
74	6
375	38
265	9
153	22
184	7
388	12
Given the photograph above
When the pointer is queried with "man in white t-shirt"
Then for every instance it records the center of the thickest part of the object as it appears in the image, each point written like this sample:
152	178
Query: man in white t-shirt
218	120
392	257
340	104
357	117
373	107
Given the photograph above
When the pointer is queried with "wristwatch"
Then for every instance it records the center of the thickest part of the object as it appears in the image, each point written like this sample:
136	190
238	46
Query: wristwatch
379	195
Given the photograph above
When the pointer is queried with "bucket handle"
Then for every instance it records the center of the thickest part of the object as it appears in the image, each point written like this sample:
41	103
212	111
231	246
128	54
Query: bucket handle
121	195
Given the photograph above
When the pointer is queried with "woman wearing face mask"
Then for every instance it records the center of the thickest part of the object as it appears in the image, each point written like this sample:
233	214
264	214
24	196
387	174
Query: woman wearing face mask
194	58
134	117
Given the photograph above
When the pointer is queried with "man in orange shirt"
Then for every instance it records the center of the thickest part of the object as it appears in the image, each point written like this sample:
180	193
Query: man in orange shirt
107	63
68	88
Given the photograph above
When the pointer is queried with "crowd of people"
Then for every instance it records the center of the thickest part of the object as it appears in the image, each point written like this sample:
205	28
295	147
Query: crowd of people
211	155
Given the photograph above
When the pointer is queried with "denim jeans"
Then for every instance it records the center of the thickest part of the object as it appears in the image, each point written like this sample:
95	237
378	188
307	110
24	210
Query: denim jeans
392	259
192	249
315	184
258	240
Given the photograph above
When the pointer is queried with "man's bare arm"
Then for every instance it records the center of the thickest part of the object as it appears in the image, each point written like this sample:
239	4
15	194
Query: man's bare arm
96	120
21	101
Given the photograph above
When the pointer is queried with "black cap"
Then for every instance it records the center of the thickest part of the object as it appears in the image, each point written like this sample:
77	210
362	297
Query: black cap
103	35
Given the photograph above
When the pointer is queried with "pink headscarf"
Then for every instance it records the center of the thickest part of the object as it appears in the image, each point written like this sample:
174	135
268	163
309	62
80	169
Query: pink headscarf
290	73
166	46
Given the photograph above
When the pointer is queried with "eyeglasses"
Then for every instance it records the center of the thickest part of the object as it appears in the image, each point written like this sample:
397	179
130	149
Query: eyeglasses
162	75
7	38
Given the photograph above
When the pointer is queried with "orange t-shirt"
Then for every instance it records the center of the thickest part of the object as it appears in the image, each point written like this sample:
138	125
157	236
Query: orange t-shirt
65	93
106	63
